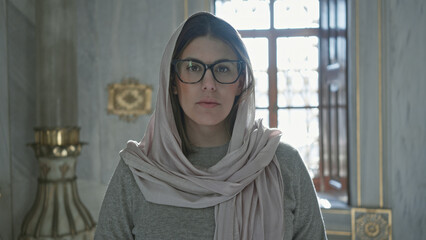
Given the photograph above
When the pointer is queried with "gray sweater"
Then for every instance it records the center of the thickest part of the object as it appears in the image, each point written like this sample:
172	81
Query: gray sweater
125	214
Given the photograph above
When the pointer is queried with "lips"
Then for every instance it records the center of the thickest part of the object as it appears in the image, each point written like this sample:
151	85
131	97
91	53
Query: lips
208	103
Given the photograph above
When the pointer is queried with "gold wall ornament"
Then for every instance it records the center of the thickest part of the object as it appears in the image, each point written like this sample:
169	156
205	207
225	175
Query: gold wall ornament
129	99
374	224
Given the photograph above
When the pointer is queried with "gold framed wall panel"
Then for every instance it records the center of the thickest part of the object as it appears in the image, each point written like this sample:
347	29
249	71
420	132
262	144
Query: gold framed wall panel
364	77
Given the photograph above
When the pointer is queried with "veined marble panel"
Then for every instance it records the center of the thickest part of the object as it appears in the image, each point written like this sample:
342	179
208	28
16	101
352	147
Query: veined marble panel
22	94
5	161
89	92
116	40
368	44
406	113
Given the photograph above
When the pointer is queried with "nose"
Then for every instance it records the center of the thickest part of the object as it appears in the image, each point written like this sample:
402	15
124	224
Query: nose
208	83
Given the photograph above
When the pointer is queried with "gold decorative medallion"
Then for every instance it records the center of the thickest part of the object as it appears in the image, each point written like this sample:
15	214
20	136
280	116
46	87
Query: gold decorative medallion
375	224
129	99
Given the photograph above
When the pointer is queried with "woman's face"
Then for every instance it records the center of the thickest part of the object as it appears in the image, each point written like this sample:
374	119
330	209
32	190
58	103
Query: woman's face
208	102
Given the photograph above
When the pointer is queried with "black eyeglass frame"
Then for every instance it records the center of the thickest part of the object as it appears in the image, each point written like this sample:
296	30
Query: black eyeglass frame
208	66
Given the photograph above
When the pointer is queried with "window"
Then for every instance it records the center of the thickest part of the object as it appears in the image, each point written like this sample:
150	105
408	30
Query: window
299	61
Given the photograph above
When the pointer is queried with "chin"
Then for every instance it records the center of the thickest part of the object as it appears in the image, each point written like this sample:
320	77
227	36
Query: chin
208	121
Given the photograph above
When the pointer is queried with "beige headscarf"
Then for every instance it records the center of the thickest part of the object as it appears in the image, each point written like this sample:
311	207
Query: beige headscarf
245	187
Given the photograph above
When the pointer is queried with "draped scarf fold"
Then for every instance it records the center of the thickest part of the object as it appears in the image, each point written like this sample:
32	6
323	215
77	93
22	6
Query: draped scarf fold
245	187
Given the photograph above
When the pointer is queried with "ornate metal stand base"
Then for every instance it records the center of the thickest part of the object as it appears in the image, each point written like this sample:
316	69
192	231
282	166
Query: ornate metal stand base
57	213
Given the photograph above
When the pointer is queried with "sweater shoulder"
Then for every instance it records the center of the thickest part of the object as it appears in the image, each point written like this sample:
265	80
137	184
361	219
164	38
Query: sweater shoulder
285	149
288	157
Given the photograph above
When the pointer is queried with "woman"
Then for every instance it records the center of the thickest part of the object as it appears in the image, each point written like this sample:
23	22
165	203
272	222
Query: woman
205	169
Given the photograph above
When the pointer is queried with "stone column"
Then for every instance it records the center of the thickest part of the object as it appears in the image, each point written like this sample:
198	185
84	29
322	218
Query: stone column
56	63
57	212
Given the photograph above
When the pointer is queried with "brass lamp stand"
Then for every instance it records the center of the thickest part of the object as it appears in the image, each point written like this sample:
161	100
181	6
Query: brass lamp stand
57	213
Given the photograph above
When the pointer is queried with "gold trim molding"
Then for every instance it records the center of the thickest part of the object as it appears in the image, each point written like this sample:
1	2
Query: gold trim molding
129	99
336	211
371	224
338	233
379	36
358	108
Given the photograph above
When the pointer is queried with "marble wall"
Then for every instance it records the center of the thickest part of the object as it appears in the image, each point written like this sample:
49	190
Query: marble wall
387	79
405	98
115	39
5	174
21	108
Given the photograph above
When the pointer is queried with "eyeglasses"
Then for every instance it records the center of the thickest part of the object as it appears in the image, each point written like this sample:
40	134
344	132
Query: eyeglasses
192	71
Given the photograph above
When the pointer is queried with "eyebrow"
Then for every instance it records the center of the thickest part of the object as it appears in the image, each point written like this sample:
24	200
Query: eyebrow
219	60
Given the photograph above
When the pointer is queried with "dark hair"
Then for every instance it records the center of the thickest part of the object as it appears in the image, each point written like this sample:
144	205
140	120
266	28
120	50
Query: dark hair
206	24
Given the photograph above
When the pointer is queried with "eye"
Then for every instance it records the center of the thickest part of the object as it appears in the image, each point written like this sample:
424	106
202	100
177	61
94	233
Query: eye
222	69
193	67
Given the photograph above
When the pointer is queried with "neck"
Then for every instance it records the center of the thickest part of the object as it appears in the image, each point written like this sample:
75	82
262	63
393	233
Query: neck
207	136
